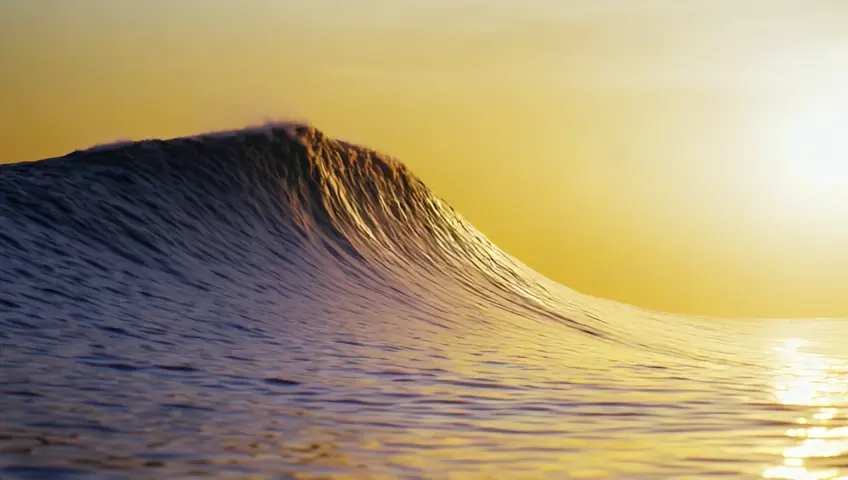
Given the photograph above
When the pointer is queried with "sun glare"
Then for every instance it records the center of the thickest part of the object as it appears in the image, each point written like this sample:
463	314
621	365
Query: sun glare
813	167
816	386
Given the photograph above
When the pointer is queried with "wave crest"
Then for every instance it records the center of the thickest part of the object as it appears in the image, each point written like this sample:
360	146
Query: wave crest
247	199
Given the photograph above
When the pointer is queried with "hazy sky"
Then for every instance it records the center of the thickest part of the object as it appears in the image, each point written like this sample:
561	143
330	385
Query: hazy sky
680	155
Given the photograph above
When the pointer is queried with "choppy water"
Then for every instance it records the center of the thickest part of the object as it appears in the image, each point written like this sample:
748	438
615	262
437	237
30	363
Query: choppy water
275	304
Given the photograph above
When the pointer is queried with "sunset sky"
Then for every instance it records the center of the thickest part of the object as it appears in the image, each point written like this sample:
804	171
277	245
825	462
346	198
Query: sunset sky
685	156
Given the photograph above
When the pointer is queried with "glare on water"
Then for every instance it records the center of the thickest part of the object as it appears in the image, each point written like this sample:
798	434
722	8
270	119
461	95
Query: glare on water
818	387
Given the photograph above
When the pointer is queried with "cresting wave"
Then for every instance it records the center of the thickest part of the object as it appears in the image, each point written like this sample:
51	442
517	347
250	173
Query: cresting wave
281	187
272	301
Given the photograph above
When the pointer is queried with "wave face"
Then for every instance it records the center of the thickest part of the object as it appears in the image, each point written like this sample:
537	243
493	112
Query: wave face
273	302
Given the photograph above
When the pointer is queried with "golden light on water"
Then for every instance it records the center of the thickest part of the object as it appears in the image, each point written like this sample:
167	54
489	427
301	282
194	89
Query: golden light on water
807	379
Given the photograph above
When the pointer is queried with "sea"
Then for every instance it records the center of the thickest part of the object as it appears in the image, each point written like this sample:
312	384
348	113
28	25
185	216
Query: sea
275	303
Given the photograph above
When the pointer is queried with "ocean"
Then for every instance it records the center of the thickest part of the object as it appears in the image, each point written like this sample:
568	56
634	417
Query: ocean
274	303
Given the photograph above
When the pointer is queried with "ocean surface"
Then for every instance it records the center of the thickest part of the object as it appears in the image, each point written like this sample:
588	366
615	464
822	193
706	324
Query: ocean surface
272	303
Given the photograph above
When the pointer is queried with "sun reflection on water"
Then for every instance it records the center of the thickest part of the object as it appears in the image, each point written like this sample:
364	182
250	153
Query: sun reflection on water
807	379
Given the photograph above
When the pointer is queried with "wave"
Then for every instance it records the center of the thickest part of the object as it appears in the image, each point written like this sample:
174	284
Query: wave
184	277
220	198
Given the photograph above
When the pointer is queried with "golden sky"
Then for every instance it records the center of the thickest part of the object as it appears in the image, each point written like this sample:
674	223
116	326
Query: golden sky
685	156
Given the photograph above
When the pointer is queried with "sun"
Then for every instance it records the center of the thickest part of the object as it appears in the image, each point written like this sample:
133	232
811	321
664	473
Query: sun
818	147
812	161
